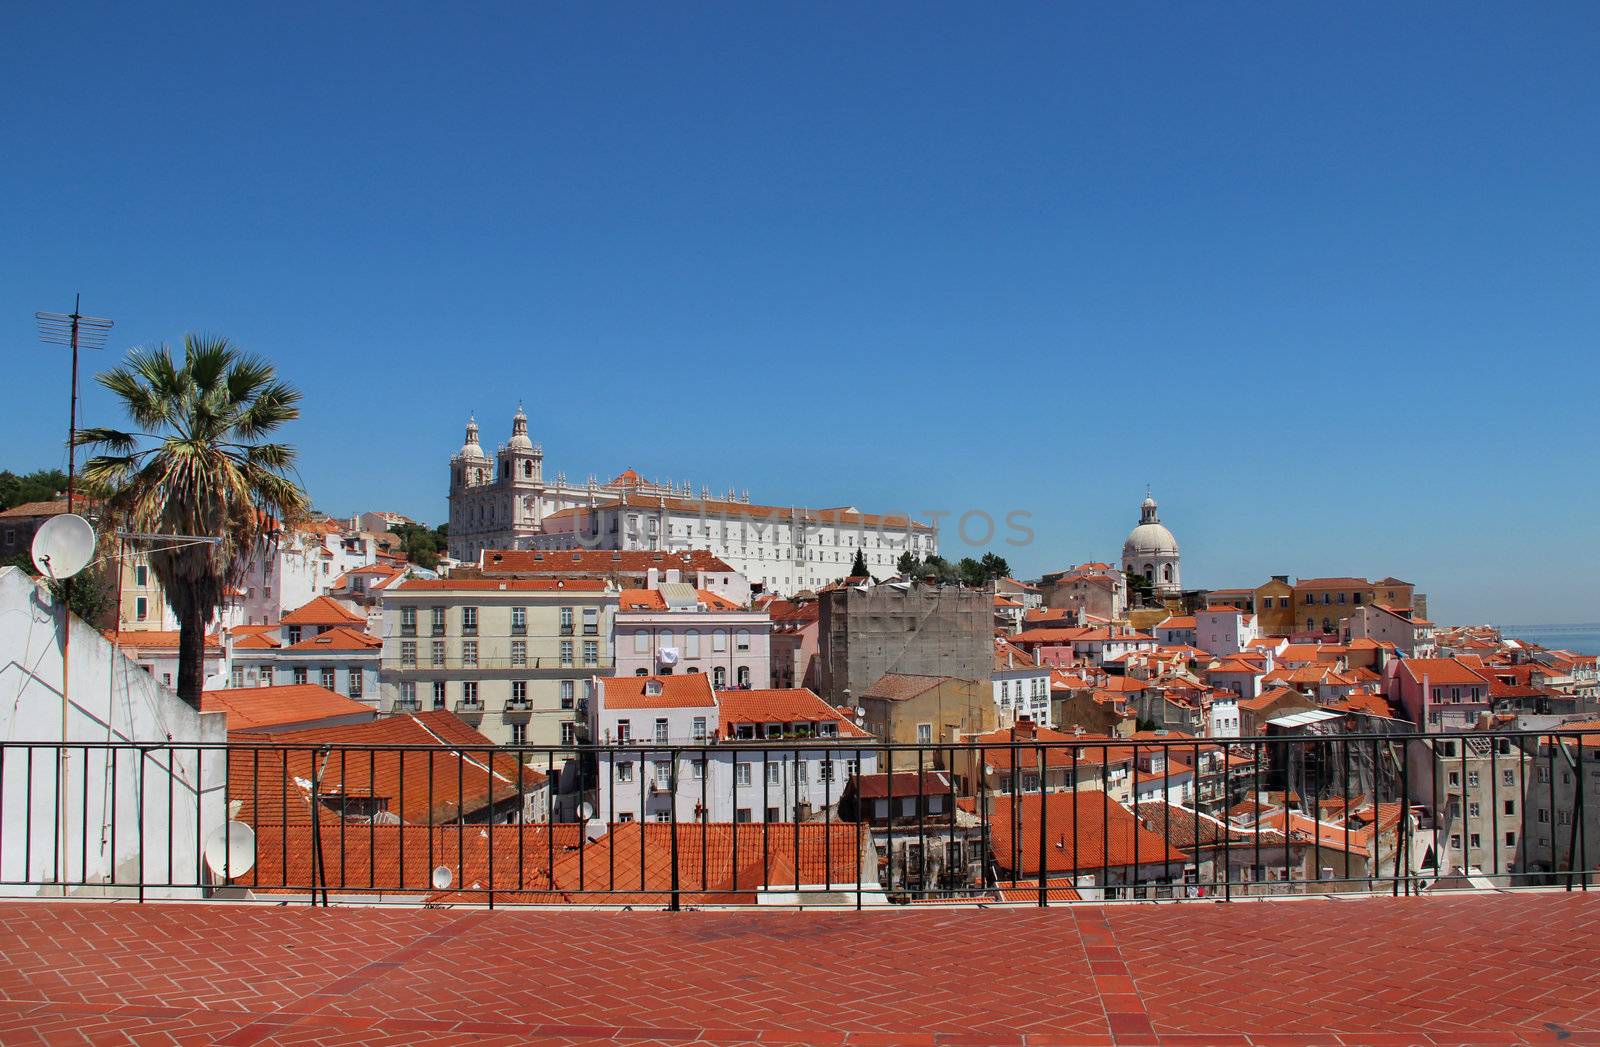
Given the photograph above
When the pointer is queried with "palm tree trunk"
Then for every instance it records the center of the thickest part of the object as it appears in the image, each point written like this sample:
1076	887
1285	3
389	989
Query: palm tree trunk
191	655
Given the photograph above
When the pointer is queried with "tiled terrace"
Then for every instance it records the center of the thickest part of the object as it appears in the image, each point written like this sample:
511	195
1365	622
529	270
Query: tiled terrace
1490	969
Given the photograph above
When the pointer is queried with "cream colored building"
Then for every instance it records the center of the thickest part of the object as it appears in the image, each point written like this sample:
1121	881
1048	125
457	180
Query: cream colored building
514	657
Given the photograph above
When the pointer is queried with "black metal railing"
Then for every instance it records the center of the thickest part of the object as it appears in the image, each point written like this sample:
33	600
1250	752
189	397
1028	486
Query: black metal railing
825	821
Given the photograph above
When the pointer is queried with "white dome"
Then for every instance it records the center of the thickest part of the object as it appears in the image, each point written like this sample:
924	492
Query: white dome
1149	540
519	432
471	449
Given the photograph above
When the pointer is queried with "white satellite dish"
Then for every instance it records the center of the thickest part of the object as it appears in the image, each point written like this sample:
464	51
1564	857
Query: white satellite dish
585	811
442	877
63	546
231	850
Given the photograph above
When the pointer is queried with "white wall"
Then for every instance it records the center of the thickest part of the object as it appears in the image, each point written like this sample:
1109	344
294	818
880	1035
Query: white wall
112	700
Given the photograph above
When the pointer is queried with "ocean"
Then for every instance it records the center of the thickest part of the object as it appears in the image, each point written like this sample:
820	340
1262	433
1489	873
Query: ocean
1581	639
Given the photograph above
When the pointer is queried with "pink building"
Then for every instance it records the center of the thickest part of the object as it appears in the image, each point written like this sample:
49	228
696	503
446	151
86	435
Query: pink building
675	628
796	642
1438	693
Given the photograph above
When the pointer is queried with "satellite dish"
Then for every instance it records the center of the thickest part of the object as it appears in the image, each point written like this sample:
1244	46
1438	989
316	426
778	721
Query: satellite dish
442	877
585	811
231	850
63	546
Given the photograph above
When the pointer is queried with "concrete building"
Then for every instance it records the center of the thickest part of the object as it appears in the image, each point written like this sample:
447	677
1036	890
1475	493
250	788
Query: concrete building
514	657
1095	589
1224	630
1412	636
796	642
323	643
636	569
1438	694
111	699
1021	686
914	630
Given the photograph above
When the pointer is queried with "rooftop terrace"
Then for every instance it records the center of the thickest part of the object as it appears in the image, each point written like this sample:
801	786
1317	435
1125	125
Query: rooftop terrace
1487	968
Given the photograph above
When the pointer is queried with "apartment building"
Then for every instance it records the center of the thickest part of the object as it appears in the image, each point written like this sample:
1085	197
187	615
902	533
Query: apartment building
514	657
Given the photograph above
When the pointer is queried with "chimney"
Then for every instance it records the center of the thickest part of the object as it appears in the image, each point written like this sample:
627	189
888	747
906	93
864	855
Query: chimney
652	579
674	575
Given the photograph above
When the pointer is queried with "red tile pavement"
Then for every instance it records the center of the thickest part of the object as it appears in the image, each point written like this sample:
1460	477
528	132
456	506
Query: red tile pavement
1483	969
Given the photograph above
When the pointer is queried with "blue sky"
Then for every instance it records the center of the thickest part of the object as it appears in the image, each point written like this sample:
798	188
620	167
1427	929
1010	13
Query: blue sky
1325	277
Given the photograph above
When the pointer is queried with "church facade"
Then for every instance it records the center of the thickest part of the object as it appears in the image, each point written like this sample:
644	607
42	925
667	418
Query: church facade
505	502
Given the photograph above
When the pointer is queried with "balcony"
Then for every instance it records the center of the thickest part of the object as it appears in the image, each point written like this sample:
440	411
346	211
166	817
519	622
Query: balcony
469	707
1099	975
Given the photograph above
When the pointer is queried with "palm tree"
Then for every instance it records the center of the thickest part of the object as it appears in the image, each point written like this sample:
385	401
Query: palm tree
196	464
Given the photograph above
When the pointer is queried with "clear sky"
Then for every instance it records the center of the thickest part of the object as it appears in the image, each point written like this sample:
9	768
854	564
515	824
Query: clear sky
1327	277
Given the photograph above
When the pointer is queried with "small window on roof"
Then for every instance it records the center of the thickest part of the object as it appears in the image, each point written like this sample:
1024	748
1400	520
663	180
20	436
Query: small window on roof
652	687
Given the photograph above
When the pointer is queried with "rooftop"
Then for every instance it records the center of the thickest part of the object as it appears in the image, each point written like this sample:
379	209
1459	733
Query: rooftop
1026	976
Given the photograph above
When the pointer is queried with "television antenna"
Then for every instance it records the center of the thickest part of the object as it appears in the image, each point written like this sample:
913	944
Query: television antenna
75	331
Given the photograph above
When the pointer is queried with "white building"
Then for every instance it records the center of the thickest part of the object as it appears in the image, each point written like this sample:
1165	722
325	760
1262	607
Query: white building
1152	551
1225	630
680	718
1021	686
112	699
323	642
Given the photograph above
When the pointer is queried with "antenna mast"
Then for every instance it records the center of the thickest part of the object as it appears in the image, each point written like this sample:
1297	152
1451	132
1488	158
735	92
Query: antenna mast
75	331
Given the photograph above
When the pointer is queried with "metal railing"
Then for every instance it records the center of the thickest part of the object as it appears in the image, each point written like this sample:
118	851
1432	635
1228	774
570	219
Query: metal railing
824	821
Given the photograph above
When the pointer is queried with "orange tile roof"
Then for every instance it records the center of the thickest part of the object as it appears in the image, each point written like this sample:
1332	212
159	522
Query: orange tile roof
900	687
652	600
254	708
600	563
1442	671
690	690
339	638
156	639
1177	622
718	863
714	507
254	637
781	705
274	783
515	585
323	610
1083	831
28	510
1332	583
1057	889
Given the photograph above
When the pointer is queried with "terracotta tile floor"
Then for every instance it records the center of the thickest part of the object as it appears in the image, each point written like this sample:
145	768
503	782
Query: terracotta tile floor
1487	969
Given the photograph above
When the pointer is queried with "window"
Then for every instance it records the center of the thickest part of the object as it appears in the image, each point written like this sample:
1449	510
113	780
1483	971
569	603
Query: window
825	769
697	767
774	774
238	676
591	652
408	621
624	730
625	771
519	621
566	694
699	729
1475	840
1474	810
1510	807
1455	842
438	694
774	814
743	676
141	608
800	773
328	679
924	733
469	692
569	732
141	574
1472	779
408	692
566	621
566	652
469	653
408	654
519	690
591	621
1508	777
741	776
719	640
742	815
438	621
663	774
294	634
641	642
353	676
469	621
300	675
519	652
691	643
437	653
661	729
1511	839
719	678
742	640
519	734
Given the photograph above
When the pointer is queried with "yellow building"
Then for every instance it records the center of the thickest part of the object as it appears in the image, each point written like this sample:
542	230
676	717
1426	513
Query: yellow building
1321	604
1274	606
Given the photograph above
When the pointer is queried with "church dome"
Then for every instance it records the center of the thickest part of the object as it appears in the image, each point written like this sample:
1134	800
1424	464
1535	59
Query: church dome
471	449
1151	538
519	432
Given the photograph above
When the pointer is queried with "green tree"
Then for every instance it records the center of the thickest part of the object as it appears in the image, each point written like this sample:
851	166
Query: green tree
421	543
995	567
858	569
908	565
89	595
971	572
1141	590
938	569
197	462
41	485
